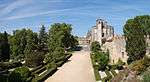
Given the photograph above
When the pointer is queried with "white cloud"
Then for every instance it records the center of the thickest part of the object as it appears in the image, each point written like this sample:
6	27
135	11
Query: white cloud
12	6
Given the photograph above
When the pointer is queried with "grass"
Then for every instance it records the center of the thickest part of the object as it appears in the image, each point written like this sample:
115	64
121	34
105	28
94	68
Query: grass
96	72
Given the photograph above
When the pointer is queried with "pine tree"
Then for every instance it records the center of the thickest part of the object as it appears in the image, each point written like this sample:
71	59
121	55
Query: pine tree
42	39
135	40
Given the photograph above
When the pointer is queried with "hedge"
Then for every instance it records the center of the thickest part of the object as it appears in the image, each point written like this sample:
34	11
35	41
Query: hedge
95	67
60	63
9	65
68	56
45	75
108	78
29	79
19	75
97	75
39	70
38	67
3	78
113	72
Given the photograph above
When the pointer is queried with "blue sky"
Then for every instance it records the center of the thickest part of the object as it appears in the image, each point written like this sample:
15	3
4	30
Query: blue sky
17	14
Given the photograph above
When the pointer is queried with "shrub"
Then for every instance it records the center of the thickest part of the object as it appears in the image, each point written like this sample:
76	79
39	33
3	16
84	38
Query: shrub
45	75
113	72
38	67
51	65
39	70
95	46
9	65
19	75
34	59
146	61
137	66
102	59
120	64
146	76
109	76
97	76
60	63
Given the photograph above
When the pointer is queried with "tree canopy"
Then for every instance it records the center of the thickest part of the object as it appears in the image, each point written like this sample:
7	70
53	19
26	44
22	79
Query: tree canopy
135	31
4	47
59	39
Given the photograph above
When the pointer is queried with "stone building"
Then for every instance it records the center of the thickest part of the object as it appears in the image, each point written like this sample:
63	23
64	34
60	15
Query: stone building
101	32
116	49
104	34
83	41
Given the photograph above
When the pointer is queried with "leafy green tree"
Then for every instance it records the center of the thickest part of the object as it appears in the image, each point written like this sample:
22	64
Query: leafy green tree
59	39
18	43
34	58
32	45
42	39
135	40
95	46
4	47
144	22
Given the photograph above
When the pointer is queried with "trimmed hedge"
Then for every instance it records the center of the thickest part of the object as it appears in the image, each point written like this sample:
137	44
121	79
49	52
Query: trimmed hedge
19	75
45	75
29	79
39	70
113	72
97	75
9	65
95	67
60	63
38	67
108	78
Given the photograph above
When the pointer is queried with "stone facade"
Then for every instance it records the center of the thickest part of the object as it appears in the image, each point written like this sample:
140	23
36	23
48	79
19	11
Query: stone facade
104	34
100	32
83	41
116	49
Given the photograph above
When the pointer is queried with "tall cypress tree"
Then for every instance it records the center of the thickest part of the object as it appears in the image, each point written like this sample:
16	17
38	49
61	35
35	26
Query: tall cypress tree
42	39
135	40
4	47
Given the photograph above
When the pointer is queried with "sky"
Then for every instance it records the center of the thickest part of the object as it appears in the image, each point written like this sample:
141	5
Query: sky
82	14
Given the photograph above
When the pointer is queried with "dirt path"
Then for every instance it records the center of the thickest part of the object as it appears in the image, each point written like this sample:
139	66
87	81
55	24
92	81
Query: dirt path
78	69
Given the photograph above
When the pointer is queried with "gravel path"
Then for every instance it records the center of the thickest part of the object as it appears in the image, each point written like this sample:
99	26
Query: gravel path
77	69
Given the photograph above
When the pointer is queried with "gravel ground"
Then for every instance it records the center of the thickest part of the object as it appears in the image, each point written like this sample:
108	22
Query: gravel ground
77	69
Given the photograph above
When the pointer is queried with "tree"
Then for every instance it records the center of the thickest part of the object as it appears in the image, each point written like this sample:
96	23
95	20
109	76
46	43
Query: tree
95	46
144	21
102	59
4	47
42	39
135	40
34	58
31	47
18	43
59	39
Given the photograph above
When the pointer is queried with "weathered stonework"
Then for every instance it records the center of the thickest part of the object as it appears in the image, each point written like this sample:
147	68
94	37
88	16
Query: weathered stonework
104	34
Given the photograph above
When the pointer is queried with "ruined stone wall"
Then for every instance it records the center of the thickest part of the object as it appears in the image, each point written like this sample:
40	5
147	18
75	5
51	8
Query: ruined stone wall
116	49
